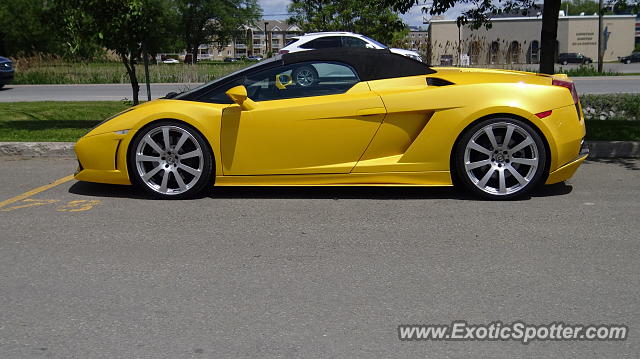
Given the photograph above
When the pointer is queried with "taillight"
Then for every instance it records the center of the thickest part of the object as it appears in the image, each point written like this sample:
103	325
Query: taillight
282	52
569	85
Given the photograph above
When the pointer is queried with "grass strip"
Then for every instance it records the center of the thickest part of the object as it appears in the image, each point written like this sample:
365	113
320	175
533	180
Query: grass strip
115	73
613	130
52	121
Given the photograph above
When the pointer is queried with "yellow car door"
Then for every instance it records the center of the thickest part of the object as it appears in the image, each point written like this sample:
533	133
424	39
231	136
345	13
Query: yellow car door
308	118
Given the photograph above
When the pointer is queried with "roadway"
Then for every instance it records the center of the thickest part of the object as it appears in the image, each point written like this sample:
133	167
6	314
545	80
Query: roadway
99	271
118	92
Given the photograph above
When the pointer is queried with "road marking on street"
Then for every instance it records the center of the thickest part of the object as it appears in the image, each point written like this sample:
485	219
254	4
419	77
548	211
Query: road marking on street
71	206
79	205
36	191
30	202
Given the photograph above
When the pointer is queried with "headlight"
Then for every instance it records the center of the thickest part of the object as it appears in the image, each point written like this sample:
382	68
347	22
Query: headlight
110	118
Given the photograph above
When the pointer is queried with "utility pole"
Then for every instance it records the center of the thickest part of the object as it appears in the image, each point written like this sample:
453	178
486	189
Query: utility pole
266	43
600	35
459	47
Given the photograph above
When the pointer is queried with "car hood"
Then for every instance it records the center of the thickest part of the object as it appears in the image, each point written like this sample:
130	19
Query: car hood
4	59
403	52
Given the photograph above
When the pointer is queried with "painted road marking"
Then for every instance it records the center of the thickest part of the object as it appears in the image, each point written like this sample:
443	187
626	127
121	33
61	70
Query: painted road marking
29	202
36	191
79	205
71	206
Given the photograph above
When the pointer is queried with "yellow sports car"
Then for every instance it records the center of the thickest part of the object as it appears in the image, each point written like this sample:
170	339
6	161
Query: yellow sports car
346	117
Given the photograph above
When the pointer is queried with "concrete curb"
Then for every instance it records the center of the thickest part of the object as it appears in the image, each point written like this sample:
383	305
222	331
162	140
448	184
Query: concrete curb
37	149
598	149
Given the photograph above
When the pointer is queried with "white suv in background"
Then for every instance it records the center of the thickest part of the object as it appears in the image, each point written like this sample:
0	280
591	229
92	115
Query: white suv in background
323	40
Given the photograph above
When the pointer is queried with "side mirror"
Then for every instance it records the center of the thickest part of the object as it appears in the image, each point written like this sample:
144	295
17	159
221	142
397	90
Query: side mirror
283	80
238	95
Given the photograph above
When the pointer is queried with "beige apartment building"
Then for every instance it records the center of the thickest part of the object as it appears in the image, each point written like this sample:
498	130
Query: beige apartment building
516	40
254	42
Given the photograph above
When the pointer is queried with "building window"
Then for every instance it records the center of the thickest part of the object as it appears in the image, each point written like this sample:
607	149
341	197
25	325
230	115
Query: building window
534	52
474	52
494	51
513	53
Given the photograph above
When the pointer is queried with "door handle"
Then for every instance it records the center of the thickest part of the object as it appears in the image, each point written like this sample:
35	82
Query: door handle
372	111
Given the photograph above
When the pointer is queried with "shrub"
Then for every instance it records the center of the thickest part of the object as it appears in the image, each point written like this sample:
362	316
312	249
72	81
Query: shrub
619	107
587	70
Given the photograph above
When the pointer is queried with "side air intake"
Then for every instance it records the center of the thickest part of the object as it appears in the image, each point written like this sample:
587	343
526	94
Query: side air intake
434	81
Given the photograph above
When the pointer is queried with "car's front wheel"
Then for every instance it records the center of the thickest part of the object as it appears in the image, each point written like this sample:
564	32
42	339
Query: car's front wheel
170	160
501	158
627	62
564	62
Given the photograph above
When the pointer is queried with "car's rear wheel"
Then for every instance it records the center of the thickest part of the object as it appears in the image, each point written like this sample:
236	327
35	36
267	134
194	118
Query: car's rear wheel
501	158
305	76
170	160
627	62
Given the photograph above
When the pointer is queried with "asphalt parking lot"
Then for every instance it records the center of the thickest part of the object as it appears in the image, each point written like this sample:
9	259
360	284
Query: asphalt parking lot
98	271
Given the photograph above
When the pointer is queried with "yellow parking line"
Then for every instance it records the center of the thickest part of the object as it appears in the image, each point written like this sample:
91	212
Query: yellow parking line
36	191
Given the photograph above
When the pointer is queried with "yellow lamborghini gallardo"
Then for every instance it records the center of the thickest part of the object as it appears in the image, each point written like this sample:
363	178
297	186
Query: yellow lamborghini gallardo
346	117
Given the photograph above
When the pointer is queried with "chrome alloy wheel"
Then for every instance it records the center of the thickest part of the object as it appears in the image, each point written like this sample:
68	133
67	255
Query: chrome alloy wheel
169	160
305	77
501	158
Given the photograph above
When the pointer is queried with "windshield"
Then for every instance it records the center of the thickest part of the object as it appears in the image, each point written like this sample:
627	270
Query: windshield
223	78
376	42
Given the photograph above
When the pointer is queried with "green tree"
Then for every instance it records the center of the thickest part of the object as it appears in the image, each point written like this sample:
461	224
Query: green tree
205	21
575	7
127	27
371	18
25	29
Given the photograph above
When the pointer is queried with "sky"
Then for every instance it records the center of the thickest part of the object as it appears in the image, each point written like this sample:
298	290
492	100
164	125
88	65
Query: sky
414	17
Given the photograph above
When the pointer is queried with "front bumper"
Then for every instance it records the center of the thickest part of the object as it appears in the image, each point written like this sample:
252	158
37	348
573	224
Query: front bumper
6	77
103	158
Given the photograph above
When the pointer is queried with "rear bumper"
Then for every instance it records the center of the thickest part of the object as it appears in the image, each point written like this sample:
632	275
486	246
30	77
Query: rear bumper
569	169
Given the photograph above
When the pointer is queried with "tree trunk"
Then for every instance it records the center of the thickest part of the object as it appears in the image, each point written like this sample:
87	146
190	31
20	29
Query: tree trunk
548	36
194	54
131	70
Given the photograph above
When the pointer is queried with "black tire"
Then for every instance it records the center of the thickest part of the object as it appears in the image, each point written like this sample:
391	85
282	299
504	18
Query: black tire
627	62
488	172
305	76
564	62
188	164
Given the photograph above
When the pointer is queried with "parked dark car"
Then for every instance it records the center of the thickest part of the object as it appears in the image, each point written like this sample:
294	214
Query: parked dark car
634	57
230	59
6	71
573	58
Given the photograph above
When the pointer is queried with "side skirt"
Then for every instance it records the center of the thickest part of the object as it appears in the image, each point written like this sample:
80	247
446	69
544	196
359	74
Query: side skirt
433	178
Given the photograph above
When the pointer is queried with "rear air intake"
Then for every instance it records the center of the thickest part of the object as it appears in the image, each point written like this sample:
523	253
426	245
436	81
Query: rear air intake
434	81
